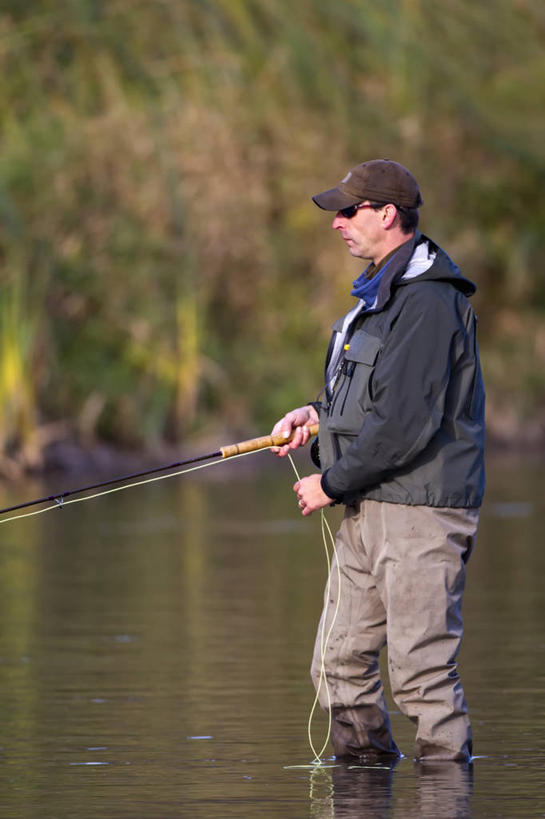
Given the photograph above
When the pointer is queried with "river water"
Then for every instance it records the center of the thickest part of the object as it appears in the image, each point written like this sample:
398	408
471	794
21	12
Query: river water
154	652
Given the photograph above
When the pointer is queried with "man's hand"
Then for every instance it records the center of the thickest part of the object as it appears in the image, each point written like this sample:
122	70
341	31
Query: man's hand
299	420
311	495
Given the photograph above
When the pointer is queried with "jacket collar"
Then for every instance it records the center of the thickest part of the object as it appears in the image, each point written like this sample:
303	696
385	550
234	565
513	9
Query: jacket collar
396	268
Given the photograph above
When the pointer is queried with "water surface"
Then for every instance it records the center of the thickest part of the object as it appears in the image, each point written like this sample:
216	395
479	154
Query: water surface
154	652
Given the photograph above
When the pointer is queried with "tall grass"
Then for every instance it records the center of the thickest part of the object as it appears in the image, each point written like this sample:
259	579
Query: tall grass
18	409
156	167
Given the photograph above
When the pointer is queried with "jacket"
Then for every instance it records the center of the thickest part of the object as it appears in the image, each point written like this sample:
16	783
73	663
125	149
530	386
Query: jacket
404	420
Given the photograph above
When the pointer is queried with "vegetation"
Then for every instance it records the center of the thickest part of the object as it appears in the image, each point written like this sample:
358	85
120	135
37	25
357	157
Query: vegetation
163	272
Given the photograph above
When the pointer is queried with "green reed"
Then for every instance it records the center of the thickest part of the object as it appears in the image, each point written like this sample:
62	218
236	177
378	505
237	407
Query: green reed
18	407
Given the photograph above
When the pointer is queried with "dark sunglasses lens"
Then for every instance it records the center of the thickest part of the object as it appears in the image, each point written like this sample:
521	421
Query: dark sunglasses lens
348	212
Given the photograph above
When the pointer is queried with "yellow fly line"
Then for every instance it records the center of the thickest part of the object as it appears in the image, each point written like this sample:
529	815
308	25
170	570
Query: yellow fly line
62	503
327	535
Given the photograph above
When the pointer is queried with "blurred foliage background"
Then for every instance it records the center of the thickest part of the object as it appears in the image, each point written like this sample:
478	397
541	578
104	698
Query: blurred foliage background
163	271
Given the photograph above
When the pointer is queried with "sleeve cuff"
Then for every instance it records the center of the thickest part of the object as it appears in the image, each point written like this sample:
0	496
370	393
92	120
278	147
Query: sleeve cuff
317	405
332	493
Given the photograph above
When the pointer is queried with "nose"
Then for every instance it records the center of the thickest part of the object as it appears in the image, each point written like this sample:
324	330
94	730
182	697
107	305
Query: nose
338	221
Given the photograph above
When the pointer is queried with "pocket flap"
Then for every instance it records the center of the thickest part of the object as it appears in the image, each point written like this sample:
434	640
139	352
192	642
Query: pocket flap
363	348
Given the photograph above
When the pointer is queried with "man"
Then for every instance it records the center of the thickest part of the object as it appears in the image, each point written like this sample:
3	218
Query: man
401	446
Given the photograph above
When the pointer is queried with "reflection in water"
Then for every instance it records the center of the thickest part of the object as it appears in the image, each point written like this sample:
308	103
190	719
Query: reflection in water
442	790
322	793
382	792
154	654
362	791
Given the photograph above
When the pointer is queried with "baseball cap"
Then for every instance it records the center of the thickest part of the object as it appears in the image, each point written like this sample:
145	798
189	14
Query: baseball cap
381	180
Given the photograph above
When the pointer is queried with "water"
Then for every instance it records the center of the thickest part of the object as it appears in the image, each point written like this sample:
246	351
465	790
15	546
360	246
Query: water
154	653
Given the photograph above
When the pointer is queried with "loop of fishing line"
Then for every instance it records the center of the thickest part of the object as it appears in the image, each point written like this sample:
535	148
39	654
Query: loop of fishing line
324	636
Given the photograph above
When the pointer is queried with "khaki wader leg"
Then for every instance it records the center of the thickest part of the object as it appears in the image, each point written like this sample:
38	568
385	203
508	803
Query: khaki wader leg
360	722
421	572
402	578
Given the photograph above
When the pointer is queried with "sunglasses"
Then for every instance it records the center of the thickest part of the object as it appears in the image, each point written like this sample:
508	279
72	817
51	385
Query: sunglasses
350	211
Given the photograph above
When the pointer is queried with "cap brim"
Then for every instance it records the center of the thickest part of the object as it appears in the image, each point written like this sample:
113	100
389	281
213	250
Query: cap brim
335	199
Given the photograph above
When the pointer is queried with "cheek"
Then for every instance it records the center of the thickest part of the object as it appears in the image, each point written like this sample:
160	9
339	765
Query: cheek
361	237
373	233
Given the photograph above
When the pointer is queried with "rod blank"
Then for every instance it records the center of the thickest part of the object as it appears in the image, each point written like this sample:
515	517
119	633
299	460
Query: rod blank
229	451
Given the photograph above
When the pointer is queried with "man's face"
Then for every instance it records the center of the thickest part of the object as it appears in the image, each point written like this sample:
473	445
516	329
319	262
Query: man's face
362	233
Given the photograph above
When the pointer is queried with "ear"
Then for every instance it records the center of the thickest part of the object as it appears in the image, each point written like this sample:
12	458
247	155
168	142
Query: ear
389	214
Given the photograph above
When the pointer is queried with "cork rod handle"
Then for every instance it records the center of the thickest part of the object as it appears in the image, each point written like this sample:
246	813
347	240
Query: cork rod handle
260	443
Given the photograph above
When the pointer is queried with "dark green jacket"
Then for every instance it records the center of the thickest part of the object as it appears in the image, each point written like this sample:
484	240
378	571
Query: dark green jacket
405	422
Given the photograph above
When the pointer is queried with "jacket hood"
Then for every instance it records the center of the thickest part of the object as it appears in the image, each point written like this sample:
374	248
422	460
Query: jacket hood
442	268
439	267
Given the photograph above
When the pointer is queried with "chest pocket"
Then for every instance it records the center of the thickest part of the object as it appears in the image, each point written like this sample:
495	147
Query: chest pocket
351	399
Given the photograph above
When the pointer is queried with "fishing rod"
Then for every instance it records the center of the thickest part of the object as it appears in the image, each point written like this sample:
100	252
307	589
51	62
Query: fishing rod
229	451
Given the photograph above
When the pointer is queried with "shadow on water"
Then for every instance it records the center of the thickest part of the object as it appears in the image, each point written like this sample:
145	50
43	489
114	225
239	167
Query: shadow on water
154	653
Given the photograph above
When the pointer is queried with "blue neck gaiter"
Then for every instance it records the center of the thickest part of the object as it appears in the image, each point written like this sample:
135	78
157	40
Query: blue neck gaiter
367	289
